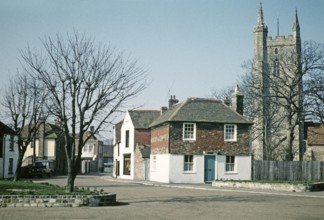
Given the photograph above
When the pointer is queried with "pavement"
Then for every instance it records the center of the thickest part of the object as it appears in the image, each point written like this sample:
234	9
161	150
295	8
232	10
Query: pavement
209	187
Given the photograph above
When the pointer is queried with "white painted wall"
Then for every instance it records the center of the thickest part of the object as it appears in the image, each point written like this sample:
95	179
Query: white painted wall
1	168
10	154
160	171
127	125
49	149
177	174
242	169
170	169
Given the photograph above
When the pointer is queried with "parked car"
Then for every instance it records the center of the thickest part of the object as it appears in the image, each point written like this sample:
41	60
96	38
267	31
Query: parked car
42	168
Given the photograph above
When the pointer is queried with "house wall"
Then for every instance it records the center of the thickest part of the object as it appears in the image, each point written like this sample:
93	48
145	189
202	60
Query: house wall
139	170
1	168
10	154
143	136
242	168
209	138
123	150
160	140
177	175
160	168
49	150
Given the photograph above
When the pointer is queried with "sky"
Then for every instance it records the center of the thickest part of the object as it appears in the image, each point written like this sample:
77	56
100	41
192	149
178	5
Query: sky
187	47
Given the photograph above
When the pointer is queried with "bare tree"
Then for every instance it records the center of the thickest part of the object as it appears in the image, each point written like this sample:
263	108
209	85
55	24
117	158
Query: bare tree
314	80
22	102
296	92
87	85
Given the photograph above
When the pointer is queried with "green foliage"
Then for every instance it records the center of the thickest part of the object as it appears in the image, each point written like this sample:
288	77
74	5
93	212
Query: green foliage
29	188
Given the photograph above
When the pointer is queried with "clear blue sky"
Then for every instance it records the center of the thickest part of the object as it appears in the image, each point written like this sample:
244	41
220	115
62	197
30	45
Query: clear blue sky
188	47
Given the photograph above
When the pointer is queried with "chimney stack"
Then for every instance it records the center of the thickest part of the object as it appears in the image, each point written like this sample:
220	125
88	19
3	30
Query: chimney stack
163	109
237	100
227	101
172	101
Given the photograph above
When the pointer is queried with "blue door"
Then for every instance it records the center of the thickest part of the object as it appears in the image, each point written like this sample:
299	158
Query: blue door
146	169
209	168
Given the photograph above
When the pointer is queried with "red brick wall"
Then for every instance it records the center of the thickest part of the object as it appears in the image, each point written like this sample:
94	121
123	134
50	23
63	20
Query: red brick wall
160	140
142	136
209	138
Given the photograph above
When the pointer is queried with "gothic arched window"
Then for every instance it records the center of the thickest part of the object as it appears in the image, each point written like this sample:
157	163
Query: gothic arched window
276	67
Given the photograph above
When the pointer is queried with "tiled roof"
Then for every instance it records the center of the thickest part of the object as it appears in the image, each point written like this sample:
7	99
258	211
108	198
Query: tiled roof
143	118
315	135
4	129
201	110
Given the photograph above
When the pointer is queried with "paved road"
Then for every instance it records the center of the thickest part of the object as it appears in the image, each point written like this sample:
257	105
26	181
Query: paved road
146	200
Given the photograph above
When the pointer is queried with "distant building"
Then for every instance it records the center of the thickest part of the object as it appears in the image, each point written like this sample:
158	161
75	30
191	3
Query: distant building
9	152
92	153
48	144
108	158
315	143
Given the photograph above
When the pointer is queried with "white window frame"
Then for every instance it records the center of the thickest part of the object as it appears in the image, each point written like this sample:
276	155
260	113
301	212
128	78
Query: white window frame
185	132
230	167
91	148
189	164
226	130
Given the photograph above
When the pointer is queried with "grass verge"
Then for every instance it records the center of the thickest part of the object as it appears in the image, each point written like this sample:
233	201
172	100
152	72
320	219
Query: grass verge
8	187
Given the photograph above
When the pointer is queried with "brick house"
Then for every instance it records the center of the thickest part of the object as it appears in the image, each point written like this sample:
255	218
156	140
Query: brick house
314	143
132	144
200	140
9	152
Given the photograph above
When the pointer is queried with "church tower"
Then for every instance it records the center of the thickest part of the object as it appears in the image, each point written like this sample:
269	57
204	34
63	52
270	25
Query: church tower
274	76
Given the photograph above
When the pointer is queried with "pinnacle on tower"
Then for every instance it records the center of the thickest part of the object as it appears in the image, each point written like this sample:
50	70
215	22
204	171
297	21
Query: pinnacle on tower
296	22
260	16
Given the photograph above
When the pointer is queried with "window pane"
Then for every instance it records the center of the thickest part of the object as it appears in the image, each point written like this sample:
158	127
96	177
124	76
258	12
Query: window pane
230	132
189	131
188	163
230	163
127	139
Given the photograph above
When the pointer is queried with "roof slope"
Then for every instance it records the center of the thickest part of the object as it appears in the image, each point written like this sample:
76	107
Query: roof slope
143	118
4	129
201	110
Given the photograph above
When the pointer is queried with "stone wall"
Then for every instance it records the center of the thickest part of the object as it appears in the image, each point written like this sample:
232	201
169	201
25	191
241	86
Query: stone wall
57	200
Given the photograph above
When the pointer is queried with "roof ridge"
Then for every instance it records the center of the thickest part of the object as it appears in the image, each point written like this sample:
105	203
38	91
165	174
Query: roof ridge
181	104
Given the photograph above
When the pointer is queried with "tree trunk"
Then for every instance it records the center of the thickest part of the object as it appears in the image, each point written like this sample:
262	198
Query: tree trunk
19	163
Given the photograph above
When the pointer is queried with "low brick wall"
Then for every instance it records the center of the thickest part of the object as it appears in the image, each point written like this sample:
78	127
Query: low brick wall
264	186
57	200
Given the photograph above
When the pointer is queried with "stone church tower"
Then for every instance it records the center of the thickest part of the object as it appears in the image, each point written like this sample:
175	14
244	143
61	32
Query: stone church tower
277	95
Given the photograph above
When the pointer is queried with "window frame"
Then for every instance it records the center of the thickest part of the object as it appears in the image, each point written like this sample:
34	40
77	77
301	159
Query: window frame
127	161
234	139
10	166
127	138
185	131
12	143
230	164
188	163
